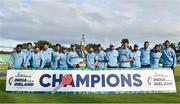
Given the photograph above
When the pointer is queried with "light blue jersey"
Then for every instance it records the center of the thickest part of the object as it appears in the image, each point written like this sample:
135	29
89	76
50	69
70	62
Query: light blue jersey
168	57
145	56
17	60
55	60
136	62
100	57
63	60
37	60
47	56
27	52
112	58
155	58
72	58
90	59
123	55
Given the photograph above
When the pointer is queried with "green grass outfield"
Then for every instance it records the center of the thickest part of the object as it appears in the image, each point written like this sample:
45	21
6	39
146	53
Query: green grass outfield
3	66
91	98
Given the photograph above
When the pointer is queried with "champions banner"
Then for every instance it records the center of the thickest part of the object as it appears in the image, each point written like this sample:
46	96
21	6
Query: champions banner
107	81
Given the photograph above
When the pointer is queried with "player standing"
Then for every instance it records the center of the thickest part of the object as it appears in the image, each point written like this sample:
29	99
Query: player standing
168	56
37	58
28	52
145	55
155	57
90	59
56	57
100	58
125	55
73	58
136	54
17	58
47	53
112	57
63	58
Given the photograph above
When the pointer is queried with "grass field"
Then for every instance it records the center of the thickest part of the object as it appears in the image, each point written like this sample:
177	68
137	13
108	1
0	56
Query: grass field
3	66
96	98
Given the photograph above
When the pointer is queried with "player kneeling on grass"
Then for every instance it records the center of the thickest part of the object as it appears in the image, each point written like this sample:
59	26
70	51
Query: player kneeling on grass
136	54
100	58
125	55
47	53
112	57
168	56
17	58
90	59
73	58
37	59
155	57
56	57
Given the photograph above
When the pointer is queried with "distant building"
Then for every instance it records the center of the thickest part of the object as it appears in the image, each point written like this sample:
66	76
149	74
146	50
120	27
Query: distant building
82	41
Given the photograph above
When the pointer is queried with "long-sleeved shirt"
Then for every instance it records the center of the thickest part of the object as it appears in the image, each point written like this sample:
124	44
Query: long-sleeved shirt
136	63
37	60
112	58
155	58
100	58
168	57
145	56
17	60
27	52
72	58
47	56
63	60
90	59
124	54
55	59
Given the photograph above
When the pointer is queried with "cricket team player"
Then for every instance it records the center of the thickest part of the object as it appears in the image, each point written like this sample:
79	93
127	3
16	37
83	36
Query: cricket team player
90	59
100	58
145	55
47	53
155	57
17	58
136	54
112	57
28	52
56	57
168	56
125	55
63	58
37	59
73	58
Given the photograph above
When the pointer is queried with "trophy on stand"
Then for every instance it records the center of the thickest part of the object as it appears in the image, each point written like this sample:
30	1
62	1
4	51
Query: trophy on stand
82	52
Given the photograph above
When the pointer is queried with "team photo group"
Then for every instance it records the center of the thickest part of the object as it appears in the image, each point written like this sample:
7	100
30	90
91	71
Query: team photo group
123	57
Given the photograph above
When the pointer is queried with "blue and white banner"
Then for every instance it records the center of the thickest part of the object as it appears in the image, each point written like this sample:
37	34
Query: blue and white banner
92	81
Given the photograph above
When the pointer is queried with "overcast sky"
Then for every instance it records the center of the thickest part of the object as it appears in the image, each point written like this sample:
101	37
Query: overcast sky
103	21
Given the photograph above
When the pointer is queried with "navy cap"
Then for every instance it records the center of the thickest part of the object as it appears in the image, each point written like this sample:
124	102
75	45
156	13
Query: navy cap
73	44
99	45
112	45
136	45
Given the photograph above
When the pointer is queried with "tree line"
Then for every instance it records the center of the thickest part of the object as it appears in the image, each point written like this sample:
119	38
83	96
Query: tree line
94	45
